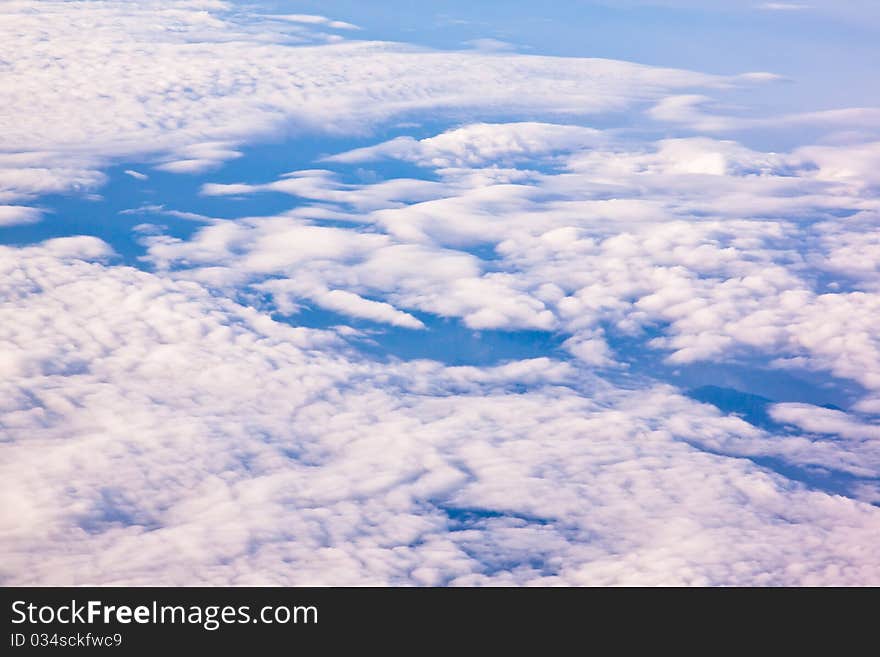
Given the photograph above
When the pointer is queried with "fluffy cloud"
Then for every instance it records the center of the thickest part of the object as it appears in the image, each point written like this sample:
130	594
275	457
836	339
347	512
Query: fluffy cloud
617	236
190	80
284	458
480	144
159	426
10	215
617	242
26	175
824	420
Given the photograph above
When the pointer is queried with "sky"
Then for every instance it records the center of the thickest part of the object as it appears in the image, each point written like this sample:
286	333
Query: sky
344	293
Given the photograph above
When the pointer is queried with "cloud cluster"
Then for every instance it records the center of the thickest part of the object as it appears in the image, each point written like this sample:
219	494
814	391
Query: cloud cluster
719	250
281	457
657	243
188	81
479	144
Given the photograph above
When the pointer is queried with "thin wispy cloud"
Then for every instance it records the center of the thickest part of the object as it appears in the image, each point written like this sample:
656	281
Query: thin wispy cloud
783	6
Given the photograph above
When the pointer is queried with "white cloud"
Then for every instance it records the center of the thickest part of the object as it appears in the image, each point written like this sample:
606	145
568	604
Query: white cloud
190	81
11	215
480	144
137	175
695	111
700	237
353	305
27	175
490	45
313	19
824	420
199	158
283	458
155	431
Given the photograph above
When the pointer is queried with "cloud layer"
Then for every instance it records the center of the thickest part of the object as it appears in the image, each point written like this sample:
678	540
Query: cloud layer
278	459
187	80
174	425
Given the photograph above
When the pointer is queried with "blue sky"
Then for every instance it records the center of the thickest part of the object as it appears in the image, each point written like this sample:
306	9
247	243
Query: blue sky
338	293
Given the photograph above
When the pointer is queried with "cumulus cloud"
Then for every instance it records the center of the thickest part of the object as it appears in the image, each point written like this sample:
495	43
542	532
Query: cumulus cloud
283	458
26	175
480	144
632	238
